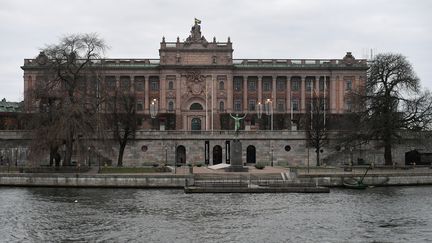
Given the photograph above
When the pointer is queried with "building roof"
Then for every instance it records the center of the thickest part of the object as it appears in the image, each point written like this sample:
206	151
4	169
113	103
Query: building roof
6	106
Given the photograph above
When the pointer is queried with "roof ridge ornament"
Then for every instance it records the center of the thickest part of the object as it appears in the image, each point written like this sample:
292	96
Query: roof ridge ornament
195	36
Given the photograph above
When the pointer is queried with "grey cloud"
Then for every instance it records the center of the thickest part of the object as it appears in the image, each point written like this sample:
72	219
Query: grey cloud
258	29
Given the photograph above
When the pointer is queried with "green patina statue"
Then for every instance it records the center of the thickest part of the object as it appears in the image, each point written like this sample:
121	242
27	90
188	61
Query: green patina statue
237	120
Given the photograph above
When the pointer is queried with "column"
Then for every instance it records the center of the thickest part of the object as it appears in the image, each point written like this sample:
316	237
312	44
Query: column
244	106
303	94
132	84
332	94
341	95
288	95
229	102
260	89
117	77
146	94
179	120
273	94
178	94
162	93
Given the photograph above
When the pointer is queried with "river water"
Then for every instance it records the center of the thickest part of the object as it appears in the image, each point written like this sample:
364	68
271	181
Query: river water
394	214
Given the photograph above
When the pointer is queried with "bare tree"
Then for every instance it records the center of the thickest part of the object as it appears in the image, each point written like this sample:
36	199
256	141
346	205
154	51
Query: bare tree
68	92
123	119
392	101
316	125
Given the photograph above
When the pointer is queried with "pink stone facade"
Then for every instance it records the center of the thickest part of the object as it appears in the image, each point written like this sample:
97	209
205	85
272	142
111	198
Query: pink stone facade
196	82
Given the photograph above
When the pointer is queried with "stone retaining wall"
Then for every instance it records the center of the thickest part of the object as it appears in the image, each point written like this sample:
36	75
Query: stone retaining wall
80	180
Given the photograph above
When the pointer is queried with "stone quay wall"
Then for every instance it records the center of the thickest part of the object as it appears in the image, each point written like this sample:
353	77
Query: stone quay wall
83	180
280	147
179	181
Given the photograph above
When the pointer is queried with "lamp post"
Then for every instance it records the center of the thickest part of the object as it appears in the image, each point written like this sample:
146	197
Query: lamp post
89	156
166	155
154	108
271	155
175	157
259	111
269	111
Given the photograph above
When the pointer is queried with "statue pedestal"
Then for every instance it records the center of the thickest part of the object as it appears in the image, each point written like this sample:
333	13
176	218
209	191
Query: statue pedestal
236	158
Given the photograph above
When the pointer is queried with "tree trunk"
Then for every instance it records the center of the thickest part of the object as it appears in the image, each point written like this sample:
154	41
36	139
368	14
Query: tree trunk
52	155
69	150
317	156
388	154
120	155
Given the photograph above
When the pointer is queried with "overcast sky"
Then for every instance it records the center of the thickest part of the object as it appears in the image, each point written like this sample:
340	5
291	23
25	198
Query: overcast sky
258	29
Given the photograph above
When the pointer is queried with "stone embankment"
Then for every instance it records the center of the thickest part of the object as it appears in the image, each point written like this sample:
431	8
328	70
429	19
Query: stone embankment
93	180
375	177
274	179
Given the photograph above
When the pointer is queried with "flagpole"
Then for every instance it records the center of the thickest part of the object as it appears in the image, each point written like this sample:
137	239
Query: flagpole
212	97
206	106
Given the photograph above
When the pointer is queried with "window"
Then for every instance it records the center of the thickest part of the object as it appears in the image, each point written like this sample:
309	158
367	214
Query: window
295	105
110	82
196	107
221	85
309	85
154	83
252	85
321	84
171	106
170	85
295	85
348	105
237	83
139	85
237	105
322	103
139	106
221	106
280	105
125	83
280	85
267	85
348	85
252	104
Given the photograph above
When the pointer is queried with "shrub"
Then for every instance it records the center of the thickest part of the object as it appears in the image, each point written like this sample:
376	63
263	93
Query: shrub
260	166
199	164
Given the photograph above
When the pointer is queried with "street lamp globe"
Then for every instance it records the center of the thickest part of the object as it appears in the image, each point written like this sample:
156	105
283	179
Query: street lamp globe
259	110
153	108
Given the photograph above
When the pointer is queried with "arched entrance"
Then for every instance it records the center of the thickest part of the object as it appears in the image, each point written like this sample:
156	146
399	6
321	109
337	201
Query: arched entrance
251	154
180	155
196	124
217	154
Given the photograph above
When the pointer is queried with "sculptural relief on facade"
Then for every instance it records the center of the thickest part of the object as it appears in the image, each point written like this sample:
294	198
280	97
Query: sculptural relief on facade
195	83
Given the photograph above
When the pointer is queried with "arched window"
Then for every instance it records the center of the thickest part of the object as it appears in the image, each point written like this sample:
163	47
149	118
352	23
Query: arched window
221	85
170	106
196	107
221	106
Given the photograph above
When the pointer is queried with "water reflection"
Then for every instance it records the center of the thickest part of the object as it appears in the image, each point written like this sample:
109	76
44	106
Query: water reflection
120	215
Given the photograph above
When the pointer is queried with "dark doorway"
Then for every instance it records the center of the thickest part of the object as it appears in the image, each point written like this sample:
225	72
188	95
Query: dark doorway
196	124
217	154
180	155
251	154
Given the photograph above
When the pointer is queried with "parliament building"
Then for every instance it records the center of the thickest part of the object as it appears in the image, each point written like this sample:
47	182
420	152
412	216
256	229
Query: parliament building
188	94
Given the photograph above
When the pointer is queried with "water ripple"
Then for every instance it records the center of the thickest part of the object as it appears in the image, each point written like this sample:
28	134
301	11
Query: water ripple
129	215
